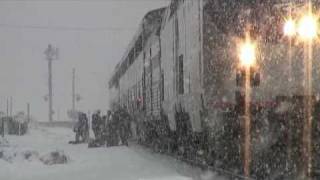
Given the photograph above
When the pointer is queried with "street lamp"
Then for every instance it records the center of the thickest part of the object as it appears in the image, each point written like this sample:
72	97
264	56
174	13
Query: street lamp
247	58
247	53
289	28
307	31
308	27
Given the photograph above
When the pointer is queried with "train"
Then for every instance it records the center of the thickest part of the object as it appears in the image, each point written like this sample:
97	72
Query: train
182	81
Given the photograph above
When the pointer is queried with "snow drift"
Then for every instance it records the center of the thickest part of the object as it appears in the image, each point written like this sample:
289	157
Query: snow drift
13	155
55	157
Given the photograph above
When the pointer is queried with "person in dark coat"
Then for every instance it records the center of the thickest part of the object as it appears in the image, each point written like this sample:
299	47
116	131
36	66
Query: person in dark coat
112	128
84	127
80	128
108	130
124	126
104	130
96	125
76	129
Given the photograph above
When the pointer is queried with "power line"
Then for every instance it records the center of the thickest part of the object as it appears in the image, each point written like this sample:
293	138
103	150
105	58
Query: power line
65	28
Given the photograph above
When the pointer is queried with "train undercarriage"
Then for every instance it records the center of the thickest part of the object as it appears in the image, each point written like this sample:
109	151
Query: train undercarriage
277	150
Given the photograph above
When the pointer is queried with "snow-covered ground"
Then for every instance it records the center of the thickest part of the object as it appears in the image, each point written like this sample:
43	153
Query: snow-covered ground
115	163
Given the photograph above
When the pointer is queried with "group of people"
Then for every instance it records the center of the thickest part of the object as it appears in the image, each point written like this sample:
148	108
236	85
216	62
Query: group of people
111	129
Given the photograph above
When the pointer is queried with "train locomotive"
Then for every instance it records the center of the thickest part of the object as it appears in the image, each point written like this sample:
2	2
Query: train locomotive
182	81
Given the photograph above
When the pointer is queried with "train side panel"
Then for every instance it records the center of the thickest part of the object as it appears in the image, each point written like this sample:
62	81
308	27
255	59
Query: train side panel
181	59
167	64
131	85
191	31
153	77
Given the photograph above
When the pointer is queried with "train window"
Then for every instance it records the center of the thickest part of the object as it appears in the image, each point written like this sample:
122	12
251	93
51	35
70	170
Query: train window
180	76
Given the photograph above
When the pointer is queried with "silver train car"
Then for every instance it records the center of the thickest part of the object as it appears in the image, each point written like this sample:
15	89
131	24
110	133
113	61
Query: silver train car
182	81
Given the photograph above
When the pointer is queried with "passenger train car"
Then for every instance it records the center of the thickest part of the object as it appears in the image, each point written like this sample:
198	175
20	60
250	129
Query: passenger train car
183	83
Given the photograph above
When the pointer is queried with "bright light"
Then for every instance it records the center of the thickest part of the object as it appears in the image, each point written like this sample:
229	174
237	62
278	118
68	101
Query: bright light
289	28
308	27
247	53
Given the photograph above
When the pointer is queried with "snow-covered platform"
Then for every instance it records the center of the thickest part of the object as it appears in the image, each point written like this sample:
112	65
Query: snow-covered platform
114	163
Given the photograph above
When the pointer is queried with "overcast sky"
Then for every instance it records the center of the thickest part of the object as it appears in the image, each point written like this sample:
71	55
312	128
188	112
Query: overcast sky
91	36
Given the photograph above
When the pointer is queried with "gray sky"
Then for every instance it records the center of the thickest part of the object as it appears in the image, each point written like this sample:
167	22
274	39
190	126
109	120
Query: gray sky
91	36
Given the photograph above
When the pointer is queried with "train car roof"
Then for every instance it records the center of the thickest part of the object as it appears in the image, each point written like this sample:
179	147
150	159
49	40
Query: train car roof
146	27
150	23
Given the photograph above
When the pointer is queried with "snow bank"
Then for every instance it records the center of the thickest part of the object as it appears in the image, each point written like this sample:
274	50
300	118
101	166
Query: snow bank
12	156
114	163
55	157
15	155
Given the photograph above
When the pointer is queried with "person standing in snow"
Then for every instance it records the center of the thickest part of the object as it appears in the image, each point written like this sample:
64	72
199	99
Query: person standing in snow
96	125
80	128
84	127
103	129
76	129
112	126
124	125
107	129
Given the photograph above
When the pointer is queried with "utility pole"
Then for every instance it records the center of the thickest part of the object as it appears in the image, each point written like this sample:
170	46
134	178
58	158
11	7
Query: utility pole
2	125
74	95
7	107
50	87
73	90
51	54
5	118
11	106
58	114
28	112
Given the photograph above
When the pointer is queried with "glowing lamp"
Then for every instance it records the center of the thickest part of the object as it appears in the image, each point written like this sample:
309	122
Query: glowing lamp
289	28
247	54
308	27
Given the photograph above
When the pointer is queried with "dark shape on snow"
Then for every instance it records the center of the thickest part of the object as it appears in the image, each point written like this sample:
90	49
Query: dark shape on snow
55	157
